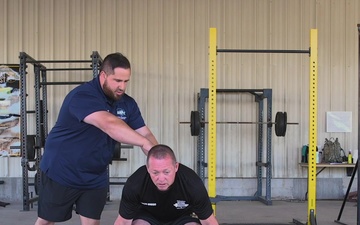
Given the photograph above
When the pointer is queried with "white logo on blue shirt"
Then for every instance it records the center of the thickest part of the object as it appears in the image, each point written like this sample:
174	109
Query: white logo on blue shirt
121	113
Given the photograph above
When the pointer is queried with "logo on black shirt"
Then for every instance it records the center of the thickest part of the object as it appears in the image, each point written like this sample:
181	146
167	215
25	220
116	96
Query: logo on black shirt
180	204
148	203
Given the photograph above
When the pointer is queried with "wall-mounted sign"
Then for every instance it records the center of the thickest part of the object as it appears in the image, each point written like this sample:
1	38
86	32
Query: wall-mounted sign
338	121
9	110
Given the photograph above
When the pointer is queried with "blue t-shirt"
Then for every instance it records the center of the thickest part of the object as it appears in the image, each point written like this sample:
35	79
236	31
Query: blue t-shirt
128	110
76	153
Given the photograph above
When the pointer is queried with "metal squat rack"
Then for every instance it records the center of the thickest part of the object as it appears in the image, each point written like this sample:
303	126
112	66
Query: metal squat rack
260	95
31	145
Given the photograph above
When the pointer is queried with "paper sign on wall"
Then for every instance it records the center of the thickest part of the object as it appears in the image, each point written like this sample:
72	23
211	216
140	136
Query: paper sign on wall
338	121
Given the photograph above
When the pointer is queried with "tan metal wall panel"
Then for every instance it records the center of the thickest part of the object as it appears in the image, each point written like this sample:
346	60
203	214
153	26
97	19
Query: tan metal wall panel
167	44
351	72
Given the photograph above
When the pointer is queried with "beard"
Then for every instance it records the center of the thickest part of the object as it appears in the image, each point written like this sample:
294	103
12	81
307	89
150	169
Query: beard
109	93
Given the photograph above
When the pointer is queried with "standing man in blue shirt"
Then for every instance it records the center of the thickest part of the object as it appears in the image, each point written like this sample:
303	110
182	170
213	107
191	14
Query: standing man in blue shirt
80	146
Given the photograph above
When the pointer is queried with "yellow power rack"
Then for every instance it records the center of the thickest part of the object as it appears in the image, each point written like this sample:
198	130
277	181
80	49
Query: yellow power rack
312	127
212	116
311	220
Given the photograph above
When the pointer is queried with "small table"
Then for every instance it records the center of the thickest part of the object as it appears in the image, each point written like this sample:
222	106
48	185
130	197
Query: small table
323	166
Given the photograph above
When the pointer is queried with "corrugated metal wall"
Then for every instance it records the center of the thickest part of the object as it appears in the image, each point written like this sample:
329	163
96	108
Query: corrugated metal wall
167	43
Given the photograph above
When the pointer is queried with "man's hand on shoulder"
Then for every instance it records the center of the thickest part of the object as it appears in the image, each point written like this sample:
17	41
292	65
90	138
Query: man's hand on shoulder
147	146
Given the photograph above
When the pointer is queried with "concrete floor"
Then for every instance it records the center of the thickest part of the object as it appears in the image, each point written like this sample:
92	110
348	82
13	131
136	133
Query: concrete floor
227	212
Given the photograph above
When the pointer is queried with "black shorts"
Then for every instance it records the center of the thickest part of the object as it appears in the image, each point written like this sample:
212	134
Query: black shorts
143	215
56	202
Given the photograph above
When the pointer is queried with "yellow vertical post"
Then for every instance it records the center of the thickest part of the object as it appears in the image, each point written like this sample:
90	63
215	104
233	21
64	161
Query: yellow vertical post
312	127
212	117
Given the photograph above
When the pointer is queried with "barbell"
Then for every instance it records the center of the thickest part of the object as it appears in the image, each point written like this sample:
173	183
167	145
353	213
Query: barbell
280	123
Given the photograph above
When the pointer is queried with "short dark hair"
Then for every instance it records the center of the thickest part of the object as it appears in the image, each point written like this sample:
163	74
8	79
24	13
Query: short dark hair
160	152
113	61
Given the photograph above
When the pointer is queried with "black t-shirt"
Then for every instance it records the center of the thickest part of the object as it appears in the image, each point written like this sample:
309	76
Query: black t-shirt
185	196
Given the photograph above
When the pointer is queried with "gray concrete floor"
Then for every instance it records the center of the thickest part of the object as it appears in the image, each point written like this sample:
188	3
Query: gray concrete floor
227	212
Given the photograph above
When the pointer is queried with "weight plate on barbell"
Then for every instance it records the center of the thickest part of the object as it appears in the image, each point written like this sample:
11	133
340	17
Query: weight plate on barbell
280	124
195	124
30	146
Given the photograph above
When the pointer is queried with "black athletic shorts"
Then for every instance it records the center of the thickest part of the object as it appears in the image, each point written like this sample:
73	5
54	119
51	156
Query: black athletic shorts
143	215
56	202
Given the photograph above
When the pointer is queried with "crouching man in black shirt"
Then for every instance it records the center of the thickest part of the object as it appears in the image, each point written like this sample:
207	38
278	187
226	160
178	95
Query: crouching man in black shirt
164	192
